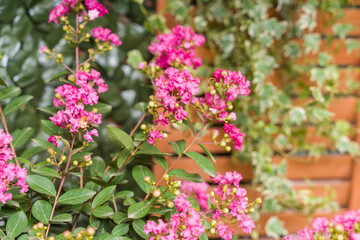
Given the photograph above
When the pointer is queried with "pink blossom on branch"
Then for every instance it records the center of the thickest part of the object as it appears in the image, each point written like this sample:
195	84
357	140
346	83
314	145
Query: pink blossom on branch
10	175
104	34
177	48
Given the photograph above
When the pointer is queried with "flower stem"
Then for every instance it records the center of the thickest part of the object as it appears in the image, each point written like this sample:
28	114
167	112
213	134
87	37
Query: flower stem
61	185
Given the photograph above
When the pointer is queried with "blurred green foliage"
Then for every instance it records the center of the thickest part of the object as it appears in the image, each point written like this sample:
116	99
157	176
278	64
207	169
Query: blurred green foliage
265	37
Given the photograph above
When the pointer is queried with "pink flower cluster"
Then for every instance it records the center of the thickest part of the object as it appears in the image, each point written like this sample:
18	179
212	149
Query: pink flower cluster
175	90
74	99
234	199
177	48
8	171
340	224
93	7
235	134
235	81
185	224
104	34
199	190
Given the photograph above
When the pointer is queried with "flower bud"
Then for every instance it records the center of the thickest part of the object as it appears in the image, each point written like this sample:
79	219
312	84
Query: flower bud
48	160
258	200
165	135
63	158
156	193
94	110
75	163
147	179
251	210
177	192
222	143
213	92
51	238
228	148
51	151
339	228
166	177
212	230
226	210
170	204
143	127
40	225
213	222
67	235
90	231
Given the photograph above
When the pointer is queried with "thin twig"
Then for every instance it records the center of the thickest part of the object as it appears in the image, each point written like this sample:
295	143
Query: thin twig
138	124
7	131
61	185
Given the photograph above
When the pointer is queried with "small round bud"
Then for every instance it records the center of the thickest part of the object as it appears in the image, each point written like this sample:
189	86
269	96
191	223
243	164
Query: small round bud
51	238
40	225
224	73
212	194
75	163
213	92
67	235
156	193
183	226
147	179
165	135
234	190
228	148
170	204
81	26
90	231
58	95
143	127
78	236
152	104
213	222
217	85
226	210
251	210
94	110
339	228
212	230
48	160
166	177
222	143
63	158
51	151
340	237
177	192
35	227
152	97
258	200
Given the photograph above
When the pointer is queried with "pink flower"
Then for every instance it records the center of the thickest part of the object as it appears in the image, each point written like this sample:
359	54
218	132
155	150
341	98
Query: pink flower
199	190
93	14
177	47
53	140
88	135
235	134
155	135
92	5
104	34
224	231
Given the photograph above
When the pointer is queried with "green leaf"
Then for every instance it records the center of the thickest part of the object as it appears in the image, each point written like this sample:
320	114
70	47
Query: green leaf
16	224
134	57
102	108
351	45
139	172
103	196
121	229
138	210
98	167
56	76
120	138
41	210
30	152
43	143
149	149
161	161
9	92
317	94
41	184
76	196
275	228
62	218
181	173
207	152
178	146
124	194
204	163
120	217
342	29
138	226
17	103
47	172
103	212
124	154
49	128
297	115
21	136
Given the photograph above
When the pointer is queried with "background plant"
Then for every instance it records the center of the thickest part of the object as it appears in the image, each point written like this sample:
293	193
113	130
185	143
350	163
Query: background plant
274	44
73	191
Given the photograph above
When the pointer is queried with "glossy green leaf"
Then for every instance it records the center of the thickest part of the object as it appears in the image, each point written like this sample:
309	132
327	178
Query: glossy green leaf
21	136
9	92
207	152
41	184
41	210
161	161
62	218
275	228
76	196
134	57
178	146
17	103
47	172
103	196
138	226
103	212
181	173
120	229
139	172
204	163
16	224
120	138
138	210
